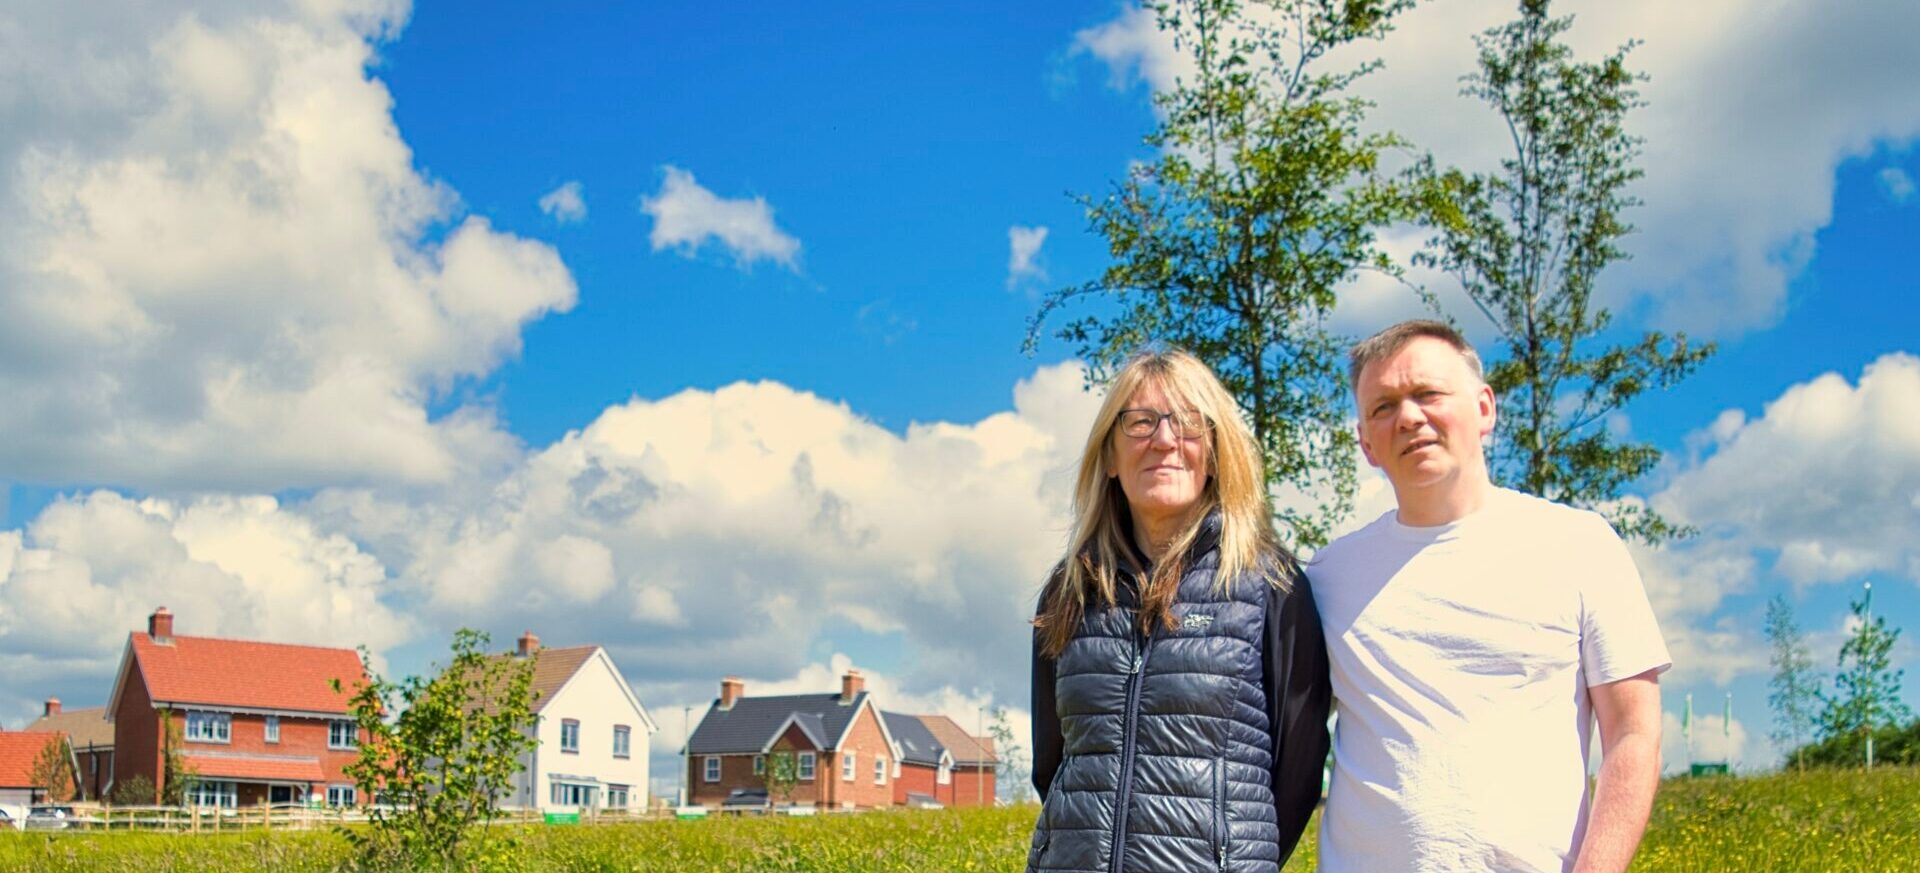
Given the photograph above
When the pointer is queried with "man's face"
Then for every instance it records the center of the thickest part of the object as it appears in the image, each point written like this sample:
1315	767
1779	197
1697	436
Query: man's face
1423	415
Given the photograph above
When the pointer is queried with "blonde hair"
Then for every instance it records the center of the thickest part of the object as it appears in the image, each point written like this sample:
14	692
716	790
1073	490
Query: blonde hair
1101	542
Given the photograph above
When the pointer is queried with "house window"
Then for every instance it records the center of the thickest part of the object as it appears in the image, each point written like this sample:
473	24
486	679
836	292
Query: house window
759	765
570	794
209	727
806	766
846	767
570	736
616	797
879	771
622	741
342	734
713	768
273	728
946	774
340	795
220	794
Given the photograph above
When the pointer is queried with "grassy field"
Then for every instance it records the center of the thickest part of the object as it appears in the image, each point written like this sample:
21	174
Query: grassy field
1824	821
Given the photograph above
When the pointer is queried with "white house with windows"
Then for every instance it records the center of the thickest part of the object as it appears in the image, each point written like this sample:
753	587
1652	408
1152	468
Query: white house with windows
594	735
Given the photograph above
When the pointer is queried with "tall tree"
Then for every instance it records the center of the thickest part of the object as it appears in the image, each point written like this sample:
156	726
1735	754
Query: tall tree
1529	244
1866	686
1266	195
1010	762
1794	691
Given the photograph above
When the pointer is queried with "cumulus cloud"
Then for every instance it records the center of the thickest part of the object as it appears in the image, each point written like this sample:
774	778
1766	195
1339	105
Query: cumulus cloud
1714	252
686	216
218	266
1023	244
1849	457
565	204
90	568
1896	184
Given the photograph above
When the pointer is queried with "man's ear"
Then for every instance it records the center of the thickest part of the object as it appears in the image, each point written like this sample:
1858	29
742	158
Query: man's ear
1365	448
1489	413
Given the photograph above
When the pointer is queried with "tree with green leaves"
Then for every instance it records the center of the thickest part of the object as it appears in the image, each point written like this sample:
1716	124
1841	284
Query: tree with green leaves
1866	694
52	771
178	777
439	754
1794	691
781	774
1267	195
1529	245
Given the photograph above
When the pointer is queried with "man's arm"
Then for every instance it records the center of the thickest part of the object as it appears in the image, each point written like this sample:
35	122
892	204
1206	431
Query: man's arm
1628	712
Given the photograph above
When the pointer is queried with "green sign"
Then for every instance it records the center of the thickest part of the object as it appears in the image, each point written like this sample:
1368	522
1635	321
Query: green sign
554	818
1719	769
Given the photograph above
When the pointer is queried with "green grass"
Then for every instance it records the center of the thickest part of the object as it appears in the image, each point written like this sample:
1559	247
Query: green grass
1825	821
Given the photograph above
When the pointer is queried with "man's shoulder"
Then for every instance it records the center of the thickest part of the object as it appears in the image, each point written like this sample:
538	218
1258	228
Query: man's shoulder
1349	545
1548	517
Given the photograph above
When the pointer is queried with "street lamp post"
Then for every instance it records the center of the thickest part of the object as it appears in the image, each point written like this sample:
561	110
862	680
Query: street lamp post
1869	589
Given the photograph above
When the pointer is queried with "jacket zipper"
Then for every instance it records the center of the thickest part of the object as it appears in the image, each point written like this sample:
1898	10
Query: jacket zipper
1129	722
1046	808
1220	811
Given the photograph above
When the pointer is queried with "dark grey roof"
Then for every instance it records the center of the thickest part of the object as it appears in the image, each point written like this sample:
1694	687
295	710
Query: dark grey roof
749	725
917	744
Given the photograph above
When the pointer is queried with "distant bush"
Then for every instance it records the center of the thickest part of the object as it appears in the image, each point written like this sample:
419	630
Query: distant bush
1891	745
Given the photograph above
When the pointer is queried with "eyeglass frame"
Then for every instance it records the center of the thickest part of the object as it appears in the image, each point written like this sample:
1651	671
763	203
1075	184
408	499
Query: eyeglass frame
1173	425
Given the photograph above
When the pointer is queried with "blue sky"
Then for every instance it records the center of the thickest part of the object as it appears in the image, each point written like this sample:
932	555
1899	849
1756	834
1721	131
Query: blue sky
298	351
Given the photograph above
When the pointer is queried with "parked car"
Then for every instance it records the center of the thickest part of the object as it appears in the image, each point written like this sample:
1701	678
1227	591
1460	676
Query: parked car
747	800
48	817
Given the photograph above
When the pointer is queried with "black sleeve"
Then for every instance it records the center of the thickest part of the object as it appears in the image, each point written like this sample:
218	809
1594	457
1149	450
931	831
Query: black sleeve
1047	742
1299	696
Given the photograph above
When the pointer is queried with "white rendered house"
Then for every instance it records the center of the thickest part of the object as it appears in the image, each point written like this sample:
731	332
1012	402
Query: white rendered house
594	736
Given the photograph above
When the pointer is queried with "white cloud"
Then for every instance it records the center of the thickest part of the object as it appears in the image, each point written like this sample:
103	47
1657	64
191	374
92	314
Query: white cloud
686	216
90	569
1714	739
1896	184
1023	244
218	266
565	204
1825	477
1714	252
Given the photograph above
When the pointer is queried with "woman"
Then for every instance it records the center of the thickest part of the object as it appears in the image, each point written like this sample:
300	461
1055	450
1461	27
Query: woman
1179	677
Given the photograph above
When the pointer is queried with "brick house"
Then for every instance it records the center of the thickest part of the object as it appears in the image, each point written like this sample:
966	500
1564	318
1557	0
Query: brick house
18	749
939	762
255	722
91	739
842	747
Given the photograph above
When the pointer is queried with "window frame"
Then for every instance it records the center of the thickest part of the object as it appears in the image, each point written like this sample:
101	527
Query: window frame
880	770
710	769
807	765
270	732
214	794
342	795
334	742
208	727
759	765
622	741
570	727
849	766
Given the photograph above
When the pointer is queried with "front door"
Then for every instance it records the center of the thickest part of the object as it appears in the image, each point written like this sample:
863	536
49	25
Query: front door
280	794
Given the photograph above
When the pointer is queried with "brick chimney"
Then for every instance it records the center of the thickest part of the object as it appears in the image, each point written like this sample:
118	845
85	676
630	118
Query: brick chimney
851	682
528	644
53	706
160	626
731	689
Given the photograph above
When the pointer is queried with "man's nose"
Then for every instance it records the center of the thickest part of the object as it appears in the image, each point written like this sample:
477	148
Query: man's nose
1409	416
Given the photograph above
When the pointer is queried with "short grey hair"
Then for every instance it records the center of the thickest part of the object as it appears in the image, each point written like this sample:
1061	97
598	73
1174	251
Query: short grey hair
1389	342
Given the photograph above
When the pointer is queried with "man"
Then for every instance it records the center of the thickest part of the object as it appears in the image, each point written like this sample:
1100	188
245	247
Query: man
1474	635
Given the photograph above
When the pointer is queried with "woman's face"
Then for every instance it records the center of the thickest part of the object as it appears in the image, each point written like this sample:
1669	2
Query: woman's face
1163	473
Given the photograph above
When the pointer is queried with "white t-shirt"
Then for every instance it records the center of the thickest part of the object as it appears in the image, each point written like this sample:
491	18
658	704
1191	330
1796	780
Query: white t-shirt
1461	657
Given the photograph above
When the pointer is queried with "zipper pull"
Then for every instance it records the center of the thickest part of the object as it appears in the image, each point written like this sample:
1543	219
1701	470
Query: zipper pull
1136	663
1223	859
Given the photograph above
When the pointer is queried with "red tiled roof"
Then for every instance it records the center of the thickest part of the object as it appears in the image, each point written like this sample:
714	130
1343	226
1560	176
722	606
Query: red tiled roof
17	751
964	747
241	673
553	668
256	768
82	726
